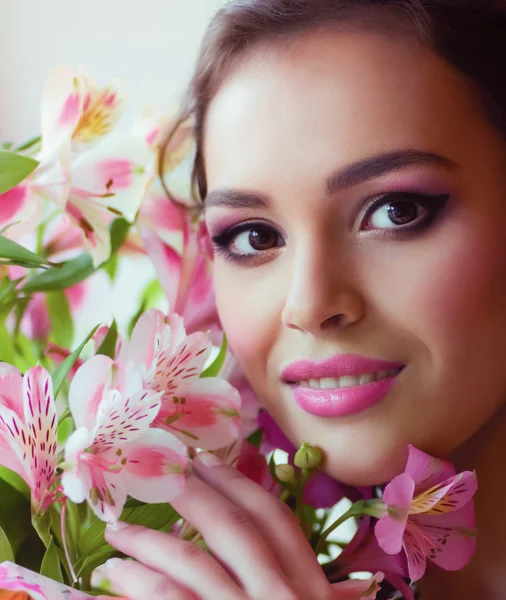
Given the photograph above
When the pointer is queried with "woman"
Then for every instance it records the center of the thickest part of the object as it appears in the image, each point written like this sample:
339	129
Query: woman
352	166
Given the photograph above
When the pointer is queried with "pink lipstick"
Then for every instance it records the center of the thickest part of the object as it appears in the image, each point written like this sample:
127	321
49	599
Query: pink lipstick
341	385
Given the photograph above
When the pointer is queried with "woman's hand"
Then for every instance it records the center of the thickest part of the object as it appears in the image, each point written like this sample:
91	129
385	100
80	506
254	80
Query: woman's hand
258	549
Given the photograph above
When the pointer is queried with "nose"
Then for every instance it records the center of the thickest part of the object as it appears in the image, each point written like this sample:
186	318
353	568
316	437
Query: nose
321	297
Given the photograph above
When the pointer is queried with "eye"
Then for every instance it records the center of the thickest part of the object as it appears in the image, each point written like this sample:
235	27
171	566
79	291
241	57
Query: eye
257	239
246	241
404	211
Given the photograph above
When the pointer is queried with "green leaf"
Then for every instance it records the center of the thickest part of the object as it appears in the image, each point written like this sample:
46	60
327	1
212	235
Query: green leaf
15	517
6	552
150	296
18	255
119	230
15	481
7	352
59	278
255	439
98	558
27	145
108	345
13	169
65	429
51	566
63	368
111	267
62	324
214	369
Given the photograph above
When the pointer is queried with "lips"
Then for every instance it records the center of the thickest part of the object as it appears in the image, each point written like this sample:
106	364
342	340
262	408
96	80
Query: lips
335	367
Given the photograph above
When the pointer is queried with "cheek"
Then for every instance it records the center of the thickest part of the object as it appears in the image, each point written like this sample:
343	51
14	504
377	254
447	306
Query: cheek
249	317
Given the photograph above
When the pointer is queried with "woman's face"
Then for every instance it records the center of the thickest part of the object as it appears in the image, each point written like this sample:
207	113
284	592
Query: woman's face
407	252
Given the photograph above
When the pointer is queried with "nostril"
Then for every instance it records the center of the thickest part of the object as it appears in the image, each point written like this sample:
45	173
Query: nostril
336	320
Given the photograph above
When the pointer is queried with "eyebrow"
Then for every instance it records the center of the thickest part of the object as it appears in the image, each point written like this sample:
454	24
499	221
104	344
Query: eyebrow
360	172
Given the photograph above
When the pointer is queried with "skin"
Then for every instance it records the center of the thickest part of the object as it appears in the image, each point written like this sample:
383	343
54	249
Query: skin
432	299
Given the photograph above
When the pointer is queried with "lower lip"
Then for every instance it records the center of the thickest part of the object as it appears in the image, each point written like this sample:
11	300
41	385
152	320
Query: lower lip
342	402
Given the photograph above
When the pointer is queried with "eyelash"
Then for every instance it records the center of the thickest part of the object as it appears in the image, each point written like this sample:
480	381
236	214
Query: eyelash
433	203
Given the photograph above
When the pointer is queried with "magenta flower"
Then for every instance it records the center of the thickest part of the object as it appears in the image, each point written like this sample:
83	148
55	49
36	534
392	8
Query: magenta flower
358	589
202	412
428	512
29	430
363	553
113	452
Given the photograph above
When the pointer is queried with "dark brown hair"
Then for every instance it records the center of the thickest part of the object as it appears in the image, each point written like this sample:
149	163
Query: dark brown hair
468	34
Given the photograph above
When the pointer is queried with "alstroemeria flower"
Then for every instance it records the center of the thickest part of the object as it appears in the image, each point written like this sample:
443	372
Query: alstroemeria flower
358	589
202	412
91	177
363	553
113	452
37	587
428	512
29	430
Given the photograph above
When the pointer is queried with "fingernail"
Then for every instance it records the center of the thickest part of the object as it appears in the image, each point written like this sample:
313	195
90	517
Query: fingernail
100	577
207	459
118	526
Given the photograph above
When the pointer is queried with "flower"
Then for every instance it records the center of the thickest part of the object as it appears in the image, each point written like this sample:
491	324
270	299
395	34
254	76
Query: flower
356	589
363	553
113	452
194	409
29	430
428	512
17	580
84	170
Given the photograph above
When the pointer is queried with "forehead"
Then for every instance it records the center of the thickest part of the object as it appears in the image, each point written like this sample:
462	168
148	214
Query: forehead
329	99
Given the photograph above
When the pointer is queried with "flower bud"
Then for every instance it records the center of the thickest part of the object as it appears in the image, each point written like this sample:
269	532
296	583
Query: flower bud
308	457
285	474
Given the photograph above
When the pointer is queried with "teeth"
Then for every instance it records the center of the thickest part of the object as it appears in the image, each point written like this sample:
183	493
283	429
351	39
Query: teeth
368	378
333	383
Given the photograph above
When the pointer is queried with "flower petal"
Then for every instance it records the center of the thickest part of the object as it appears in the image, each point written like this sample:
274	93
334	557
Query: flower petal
177	369
122	419
11	389
40	416
207	410
399	492
87	388
108	495
76	478
389	533
154	471
61	108
116	172
426	470
417	548
448	496
453	536
94	221
145	338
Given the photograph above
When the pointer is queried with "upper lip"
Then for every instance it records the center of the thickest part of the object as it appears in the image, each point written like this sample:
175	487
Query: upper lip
336	366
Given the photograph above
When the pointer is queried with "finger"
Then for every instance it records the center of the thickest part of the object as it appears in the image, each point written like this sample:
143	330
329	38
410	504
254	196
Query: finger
234	539
184	562
273	518
139	582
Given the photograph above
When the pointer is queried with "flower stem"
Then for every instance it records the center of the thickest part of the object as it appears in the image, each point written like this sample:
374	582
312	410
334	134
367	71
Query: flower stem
64	540
356	510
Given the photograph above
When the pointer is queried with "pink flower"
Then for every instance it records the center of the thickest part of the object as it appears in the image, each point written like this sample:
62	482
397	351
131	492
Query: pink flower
113	452
358	589
18	579
363	553
202	412
29	430
254	465
428	512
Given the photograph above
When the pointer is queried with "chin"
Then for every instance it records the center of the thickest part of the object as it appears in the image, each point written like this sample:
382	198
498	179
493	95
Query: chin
365	466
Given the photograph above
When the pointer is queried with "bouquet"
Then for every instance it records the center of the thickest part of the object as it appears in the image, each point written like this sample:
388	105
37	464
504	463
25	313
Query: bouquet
106	427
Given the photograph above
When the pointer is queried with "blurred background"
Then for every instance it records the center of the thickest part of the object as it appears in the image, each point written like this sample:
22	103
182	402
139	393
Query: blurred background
151	45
